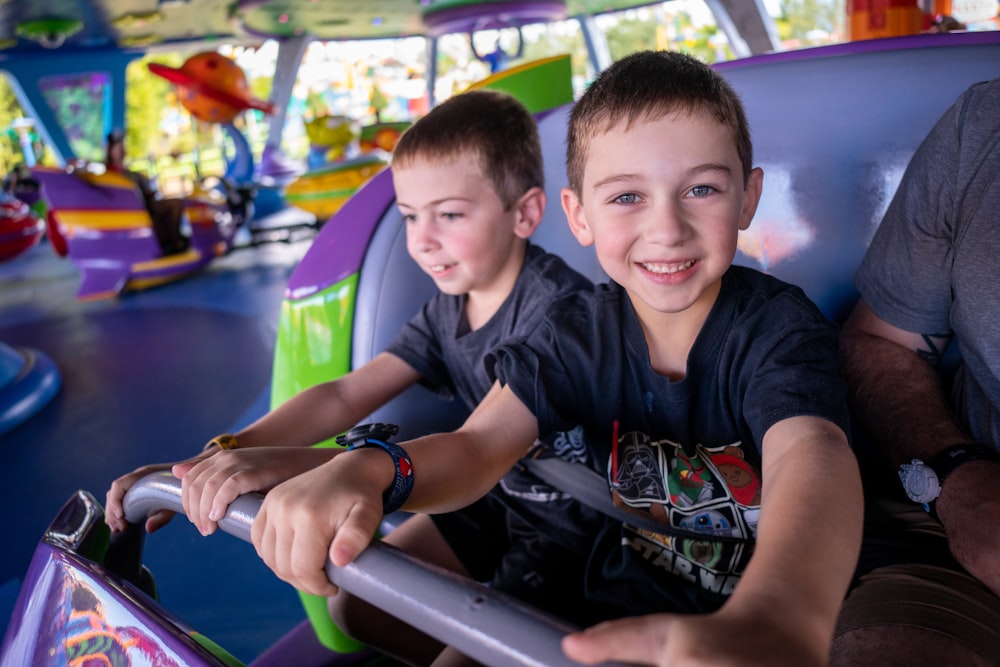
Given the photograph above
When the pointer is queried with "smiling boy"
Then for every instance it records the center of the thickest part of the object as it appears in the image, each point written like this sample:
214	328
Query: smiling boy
679	369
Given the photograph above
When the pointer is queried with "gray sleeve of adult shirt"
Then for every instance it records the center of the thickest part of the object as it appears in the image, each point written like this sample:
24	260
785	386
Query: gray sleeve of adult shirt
905	276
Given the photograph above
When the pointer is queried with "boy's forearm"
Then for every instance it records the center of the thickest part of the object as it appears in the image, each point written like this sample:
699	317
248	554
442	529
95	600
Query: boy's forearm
452	470
311	416
325	410
809	537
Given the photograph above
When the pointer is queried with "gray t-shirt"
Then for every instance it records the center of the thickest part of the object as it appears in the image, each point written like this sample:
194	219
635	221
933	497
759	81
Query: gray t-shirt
438	343
934	262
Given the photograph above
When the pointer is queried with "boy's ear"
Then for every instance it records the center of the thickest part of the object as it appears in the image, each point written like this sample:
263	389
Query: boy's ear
751	196
530	210
576	218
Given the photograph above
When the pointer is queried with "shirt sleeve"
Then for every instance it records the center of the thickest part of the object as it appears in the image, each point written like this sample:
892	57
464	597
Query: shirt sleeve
536	371
792	366
419	345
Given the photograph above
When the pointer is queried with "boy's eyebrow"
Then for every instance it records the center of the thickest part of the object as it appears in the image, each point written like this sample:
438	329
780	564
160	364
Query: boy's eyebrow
436	202
629	177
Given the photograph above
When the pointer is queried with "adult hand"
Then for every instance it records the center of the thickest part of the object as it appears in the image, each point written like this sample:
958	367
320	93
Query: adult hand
209	485
671	640
969	509
330	512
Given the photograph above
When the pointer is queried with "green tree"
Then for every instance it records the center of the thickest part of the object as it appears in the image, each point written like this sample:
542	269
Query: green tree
628	35
549	43
801	18
146	97
10	146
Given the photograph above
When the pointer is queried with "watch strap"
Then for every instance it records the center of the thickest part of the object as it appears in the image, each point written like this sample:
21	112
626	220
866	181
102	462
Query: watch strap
949	460
402	482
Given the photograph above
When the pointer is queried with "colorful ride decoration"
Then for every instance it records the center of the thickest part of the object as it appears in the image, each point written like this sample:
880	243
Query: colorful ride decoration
337	170
214	89
87	600
442	17
539	85
28	381
872	19
331	138
381	136
20	228
50	31
101	222
323	191
211	87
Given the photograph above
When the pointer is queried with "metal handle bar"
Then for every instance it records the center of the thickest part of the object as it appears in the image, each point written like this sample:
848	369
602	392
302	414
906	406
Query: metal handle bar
486	625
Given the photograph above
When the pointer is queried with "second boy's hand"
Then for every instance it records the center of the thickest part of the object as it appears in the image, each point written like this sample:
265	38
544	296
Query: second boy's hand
298	528
209	485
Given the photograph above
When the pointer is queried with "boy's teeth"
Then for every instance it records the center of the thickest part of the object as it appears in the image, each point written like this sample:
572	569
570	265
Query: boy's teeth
668	268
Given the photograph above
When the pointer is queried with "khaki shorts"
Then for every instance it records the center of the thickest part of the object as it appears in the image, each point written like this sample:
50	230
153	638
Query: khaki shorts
930	596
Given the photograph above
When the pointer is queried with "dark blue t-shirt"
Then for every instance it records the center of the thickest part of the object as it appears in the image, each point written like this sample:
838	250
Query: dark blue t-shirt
688	452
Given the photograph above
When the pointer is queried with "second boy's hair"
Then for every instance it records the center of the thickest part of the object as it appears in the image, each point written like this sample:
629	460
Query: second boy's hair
491	127
648	85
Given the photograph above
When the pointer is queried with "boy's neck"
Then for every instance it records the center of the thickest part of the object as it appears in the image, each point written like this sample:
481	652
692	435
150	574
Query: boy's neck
482	305
670	336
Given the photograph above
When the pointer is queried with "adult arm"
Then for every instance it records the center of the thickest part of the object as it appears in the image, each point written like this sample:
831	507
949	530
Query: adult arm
334	510
899	400
784	610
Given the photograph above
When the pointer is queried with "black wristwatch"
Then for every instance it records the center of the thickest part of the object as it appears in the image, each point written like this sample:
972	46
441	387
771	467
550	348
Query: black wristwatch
923	481
357	435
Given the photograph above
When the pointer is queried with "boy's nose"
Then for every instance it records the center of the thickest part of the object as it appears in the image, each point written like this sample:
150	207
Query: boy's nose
422	235
666	225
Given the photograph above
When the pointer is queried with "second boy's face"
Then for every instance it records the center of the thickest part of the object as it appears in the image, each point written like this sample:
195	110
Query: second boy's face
663	201
456	227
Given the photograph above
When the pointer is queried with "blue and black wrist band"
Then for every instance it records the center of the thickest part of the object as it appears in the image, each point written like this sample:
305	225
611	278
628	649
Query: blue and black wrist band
402	482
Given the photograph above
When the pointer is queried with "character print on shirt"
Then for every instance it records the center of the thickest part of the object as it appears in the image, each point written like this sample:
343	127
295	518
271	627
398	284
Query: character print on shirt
714	491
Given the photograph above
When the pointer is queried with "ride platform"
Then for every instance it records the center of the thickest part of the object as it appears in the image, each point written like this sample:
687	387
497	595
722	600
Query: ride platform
147	377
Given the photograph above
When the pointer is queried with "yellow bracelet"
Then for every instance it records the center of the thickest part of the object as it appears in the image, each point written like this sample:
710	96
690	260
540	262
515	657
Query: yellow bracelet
224	441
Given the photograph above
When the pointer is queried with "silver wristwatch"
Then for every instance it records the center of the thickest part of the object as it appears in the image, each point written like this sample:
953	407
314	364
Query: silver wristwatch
922	481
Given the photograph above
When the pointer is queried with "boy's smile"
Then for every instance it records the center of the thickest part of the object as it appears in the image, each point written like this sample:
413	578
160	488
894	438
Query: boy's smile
663	202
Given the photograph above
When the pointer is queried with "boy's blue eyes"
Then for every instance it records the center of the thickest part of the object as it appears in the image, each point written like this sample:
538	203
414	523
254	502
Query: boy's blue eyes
411	217
627	198
633	198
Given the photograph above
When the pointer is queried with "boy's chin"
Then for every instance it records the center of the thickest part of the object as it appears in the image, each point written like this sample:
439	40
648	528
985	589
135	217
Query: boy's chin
448	288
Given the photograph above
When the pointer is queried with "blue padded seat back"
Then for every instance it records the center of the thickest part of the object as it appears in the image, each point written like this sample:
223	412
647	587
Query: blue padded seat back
833	129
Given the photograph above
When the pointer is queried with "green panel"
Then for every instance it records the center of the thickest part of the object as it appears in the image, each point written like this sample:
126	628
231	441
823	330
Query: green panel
539	85
314	340
224	656
313	346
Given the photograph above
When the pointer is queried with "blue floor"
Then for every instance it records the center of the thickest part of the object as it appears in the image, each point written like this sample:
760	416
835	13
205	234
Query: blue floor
147	377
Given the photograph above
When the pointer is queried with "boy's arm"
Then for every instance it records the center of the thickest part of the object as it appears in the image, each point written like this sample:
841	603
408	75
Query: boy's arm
264	459
784	609
325	410
334	510
808	538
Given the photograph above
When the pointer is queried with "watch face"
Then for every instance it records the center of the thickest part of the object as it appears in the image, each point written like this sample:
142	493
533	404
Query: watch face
919	482
360	434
